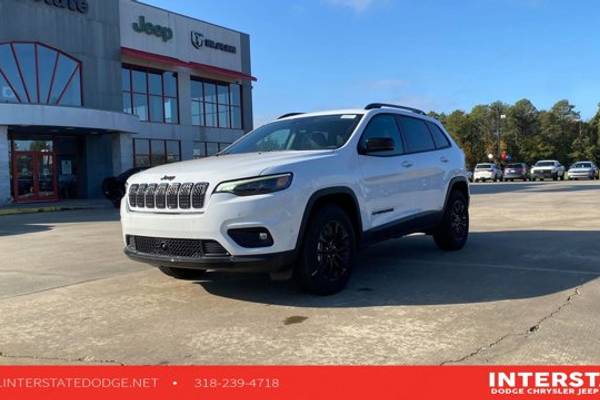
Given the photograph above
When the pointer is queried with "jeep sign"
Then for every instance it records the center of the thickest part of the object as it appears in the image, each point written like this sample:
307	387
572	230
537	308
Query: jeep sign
80	6
151	29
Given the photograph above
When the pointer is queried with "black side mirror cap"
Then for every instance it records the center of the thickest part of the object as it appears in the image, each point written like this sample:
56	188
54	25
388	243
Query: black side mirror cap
378	145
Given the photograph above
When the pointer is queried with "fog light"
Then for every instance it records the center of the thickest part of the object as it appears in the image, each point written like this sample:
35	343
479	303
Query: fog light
252	237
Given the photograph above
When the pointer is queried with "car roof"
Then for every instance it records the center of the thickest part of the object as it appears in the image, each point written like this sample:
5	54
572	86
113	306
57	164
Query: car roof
360	111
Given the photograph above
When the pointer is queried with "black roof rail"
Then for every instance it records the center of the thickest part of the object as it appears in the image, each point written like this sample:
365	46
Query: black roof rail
291	115
374	106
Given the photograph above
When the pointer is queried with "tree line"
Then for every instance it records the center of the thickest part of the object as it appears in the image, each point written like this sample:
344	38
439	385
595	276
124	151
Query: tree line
526	133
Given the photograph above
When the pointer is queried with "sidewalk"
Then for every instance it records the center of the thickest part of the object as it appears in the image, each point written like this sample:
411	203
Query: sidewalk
64	205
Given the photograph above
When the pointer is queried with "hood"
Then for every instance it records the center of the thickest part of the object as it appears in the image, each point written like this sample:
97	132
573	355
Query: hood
217	169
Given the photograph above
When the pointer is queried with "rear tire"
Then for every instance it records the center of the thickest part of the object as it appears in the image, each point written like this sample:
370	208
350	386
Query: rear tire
183	273
328	251
453	232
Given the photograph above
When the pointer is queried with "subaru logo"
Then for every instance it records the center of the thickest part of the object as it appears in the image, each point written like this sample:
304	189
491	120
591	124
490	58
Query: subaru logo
167	178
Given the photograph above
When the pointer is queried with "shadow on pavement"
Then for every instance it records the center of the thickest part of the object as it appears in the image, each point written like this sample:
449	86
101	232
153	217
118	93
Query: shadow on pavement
494	266
22	224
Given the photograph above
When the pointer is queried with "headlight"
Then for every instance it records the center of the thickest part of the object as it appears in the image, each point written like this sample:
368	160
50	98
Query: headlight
256	186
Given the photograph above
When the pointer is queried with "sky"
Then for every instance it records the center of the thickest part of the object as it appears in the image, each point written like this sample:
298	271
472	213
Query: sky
439	55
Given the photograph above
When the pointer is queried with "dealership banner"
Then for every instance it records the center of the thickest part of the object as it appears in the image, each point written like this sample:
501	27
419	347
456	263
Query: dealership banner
263	383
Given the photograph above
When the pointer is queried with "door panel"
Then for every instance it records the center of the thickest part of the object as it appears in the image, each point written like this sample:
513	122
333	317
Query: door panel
24	176
34	176
386	181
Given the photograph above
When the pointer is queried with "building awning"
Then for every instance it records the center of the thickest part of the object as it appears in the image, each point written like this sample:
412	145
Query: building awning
85	119
189	64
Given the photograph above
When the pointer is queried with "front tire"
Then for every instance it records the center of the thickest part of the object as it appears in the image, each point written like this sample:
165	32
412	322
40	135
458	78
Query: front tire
327	254
453	232
183	273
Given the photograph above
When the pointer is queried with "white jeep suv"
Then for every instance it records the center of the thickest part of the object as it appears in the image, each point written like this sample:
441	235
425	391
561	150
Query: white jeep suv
300	196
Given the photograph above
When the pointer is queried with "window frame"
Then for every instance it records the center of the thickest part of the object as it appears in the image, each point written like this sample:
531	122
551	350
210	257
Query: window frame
78	70
443	131
149	142
398	116
402	140
230	107
130	68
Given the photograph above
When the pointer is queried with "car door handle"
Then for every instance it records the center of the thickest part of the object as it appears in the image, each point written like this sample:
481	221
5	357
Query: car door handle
407	164
444	159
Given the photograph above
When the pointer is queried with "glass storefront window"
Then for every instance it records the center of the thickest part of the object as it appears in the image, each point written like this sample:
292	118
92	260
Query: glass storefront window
154	152
216	104
152	96
34	73
33	145
173	151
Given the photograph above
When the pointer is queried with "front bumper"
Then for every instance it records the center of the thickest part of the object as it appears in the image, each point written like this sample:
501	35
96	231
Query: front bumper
515	176
260	263
544	174
582	175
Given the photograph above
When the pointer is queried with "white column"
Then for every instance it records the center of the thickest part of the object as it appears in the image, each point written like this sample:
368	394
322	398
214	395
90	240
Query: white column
4	164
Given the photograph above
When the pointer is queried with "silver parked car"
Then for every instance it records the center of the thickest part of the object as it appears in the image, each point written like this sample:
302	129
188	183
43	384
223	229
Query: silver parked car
583	170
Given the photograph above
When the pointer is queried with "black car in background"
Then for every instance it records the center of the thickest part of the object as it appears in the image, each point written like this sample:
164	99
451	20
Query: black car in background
114	187
517	171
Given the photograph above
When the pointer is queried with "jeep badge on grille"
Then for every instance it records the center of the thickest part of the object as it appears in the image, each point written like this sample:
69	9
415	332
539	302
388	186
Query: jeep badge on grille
167	178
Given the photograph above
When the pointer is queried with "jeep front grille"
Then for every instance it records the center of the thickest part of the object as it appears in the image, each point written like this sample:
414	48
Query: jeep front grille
186	248
168	196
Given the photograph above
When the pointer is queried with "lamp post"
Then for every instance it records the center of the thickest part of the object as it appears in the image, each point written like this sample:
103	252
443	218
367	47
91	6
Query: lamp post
499	133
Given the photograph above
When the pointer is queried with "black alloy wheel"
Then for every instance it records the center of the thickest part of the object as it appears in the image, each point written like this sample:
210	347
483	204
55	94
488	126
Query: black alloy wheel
453	232
328	250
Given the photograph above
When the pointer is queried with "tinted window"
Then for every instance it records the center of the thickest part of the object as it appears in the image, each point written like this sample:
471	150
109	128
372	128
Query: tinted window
416	135
383	126
440	139
306	133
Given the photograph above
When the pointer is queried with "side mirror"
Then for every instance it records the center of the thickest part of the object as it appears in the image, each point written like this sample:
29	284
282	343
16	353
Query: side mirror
378	145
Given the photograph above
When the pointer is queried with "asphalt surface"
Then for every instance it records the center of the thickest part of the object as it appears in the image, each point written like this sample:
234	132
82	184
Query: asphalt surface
525	291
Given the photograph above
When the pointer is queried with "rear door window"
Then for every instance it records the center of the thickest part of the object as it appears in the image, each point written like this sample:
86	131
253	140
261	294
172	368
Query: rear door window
416	135
439	137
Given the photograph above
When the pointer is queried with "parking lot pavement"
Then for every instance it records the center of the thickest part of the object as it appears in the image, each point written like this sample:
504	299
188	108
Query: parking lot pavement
525	290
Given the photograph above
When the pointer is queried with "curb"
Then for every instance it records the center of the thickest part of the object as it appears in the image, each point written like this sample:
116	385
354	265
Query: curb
36	210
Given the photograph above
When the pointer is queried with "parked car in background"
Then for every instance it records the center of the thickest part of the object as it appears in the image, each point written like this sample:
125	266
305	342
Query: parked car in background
548	169
487	172
583	170
114	187
516	171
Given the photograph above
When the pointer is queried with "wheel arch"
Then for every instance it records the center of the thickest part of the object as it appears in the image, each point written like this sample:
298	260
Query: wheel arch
342	196
461	184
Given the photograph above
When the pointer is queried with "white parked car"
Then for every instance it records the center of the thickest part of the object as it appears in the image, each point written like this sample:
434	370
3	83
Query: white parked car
301	195
487	172
583	170
548	169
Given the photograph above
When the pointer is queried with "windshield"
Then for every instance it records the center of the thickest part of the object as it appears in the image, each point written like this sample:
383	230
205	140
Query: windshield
308	133
514	166
545	164
483	166
582	165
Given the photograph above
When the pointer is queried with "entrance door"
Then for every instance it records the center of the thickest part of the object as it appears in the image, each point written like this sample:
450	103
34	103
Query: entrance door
34	176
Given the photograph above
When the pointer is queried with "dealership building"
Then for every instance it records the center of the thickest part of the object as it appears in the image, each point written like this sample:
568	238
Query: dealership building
92	88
